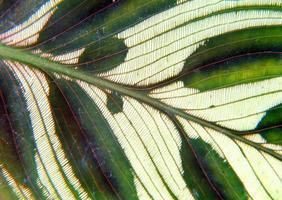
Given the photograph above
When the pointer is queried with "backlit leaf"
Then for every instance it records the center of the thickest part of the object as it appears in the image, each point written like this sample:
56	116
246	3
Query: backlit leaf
151	99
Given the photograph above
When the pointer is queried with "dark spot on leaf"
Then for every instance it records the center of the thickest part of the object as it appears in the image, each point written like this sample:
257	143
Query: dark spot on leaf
114	102
103	55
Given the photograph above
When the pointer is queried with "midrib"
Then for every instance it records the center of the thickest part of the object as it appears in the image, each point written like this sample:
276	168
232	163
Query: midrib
45	65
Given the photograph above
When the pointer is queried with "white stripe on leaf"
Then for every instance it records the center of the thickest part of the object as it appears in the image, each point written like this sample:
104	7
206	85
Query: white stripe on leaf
239	107
71	57
27	33
160	54
151	148
36	90
186	12
20	191
248	167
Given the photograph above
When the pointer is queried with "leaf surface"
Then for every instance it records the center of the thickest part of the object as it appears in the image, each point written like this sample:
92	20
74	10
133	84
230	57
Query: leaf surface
140	99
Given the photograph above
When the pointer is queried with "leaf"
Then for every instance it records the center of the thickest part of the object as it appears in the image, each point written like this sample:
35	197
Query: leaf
158	99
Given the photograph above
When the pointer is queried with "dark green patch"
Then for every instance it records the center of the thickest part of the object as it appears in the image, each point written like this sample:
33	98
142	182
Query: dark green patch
220	172
68	17
114	102
103	154
245	69
14	12
103	55
193	174
72	138
8	148
106	20
17	133
273	136
236	57
236	43
272	123
6	193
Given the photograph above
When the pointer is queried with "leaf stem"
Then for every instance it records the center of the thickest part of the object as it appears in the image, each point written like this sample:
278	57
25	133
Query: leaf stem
46	65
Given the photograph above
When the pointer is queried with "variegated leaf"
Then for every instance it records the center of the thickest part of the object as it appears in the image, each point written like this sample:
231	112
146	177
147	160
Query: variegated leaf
159	99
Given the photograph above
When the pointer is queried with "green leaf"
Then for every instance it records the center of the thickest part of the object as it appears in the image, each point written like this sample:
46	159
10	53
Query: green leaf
159	99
